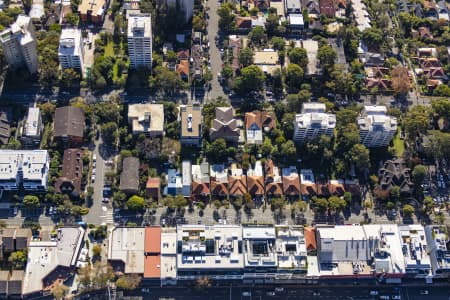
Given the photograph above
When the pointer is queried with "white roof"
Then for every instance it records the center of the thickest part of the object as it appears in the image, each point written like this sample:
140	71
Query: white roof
258	232
32	122
70	42
187	175
139	25
34	164
127	245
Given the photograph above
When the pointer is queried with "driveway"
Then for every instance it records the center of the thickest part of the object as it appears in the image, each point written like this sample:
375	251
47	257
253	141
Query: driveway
99	212
216	60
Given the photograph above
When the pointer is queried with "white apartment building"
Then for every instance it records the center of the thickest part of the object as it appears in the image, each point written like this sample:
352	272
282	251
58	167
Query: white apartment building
27	169
33	127
313	122
140	40
19	44
376	128
70	51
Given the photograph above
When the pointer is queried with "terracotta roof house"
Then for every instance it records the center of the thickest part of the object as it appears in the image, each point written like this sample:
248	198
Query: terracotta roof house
395	173
129	178
237	185
224	126
255	185
201	182
256	122
72	173
183	54
153	188
219	181
382	84
310	239
327	8
291	182
69	125
273	182
152	253
243	23
308	186
182	69
336	188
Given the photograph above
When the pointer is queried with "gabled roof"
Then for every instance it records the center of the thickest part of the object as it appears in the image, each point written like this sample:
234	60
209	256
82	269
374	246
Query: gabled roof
182	68
238	186
308	189
153	183
255	185
224	125
310	238
72	172
69	121
243	22
274	188
395	173
200	189
219	188
261	119
327	7
291	185
129	179
183	54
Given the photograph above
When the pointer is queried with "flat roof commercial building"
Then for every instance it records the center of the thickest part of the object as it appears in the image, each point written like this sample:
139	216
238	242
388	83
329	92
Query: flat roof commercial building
32	130
259	249
191	125
70	51
439	248
126	247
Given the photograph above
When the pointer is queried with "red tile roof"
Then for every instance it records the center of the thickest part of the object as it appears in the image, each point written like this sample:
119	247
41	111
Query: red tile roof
153	182
261	119
219	188
200	189
291	185
152	266
255	185
310	238
238	186
153	240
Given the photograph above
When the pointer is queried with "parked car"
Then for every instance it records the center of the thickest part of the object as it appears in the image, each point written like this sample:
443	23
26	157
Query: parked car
93	178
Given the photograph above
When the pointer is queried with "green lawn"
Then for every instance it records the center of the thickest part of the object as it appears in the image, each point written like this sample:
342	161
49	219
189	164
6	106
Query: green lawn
109	49
399	144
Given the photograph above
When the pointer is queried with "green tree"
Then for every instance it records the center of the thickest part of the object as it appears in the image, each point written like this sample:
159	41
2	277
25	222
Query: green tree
97	250
31	201
336	203
416	121
257	36
246	57
165	81
408	210
129	282
278	43
298	56
272	23
136	203
59	291
288	151
360	156
327	56
395	193
69	77
277	204
198	23
250	80
226	17
373	38
320	204
18	259
109	133
442	90
294	77
419	172
72	19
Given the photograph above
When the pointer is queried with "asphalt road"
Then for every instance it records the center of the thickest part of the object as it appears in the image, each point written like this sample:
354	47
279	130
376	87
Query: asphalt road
99	213
216	60
297	292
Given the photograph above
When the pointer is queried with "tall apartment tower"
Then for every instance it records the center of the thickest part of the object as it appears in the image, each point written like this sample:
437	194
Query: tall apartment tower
140	40
19	44
70	51
313	122
376	128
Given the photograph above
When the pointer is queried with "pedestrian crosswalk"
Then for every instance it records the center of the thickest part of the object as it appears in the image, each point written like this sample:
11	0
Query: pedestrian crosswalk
107	218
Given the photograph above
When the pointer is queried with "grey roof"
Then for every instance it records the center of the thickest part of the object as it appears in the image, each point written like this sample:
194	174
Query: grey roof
15	282
69	121
129	179
4	275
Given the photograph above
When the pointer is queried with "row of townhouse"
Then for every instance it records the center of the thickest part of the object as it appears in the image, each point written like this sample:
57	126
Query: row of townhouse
200	182
284	254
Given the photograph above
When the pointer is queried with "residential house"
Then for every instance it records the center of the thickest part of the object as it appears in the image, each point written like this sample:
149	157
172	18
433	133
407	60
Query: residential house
153	188
273	182
307	184
183	54
186	178
443	10
129	178
255	181
235	44
69	125
182	69
72	173
191	125
261	5
14	239
310	240
200	182
225	126
256	122
174	183
219	181
243	24
146	118
327	8
32	129
371	59
312	7
422	32
197	61
291	183
267	60
237	183
93	11
395	173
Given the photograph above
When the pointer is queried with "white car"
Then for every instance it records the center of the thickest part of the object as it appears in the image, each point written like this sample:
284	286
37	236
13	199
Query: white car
94	158
93	178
